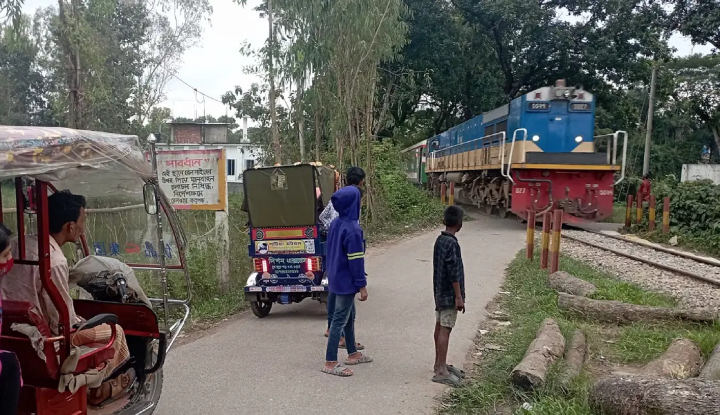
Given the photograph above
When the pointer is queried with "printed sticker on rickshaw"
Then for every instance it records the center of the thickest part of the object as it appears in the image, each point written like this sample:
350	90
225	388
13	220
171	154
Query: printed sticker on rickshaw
317	288
255	289
306	246
290	289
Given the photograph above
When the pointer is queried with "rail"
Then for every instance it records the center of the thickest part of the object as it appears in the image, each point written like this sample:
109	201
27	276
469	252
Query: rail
512	149
619	252
446	151
612	155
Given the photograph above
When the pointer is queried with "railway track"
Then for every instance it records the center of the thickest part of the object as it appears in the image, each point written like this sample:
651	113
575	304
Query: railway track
704	270
700	269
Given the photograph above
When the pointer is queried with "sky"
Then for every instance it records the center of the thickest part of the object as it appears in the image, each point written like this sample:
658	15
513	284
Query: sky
215	65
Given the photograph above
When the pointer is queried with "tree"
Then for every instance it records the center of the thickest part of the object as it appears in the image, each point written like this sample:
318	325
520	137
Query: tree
22	83
268	61
12	11
698	85
609	44
698	19
173	27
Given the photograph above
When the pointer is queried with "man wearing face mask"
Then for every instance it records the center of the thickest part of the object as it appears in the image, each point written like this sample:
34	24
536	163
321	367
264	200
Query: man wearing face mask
66	223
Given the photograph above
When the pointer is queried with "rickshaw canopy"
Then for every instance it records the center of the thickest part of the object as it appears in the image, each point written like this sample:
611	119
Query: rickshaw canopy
51	154
281	196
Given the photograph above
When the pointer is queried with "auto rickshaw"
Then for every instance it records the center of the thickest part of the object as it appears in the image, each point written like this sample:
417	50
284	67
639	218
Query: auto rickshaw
101	166
287	242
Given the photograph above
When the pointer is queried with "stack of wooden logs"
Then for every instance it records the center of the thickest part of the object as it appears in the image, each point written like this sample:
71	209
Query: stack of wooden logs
677	382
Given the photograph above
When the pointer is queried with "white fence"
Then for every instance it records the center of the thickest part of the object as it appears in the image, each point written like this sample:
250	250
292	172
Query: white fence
693	172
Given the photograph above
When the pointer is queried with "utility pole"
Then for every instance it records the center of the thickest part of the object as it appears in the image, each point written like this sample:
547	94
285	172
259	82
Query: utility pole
651	112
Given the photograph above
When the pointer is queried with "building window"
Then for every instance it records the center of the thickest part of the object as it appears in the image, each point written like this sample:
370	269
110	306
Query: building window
249	164
230	167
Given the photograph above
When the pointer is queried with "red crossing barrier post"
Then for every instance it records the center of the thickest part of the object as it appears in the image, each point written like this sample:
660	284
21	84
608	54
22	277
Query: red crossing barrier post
666	215
628	209
443	192
638	209
545	240
555	243
651	214
530	244
451	197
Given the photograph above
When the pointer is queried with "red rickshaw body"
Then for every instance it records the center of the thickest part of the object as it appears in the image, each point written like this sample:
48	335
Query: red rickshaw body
36	157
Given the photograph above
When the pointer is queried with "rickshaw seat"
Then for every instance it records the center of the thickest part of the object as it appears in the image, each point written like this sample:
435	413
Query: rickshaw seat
37	372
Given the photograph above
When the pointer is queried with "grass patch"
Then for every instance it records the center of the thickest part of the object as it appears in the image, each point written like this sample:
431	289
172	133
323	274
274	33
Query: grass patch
530	301
618	214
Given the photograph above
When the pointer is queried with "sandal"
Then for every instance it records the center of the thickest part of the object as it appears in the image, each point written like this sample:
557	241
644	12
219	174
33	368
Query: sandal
358	346
450	380
363	359
338	370
455	371
111	389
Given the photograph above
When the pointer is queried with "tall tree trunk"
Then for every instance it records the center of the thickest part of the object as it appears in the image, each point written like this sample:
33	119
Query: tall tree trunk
72	54
301	120
318	131
271	73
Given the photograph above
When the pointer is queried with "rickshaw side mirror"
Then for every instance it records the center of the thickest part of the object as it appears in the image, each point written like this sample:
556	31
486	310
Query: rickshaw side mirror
150	199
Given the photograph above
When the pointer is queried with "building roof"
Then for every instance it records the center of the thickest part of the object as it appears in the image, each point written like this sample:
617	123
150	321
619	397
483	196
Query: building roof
197	123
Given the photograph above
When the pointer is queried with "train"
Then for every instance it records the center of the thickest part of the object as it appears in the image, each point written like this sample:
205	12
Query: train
537	153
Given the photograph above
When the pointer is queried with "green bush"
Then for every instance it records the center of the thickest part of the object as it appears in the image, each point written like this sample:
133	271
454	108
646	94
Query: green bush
403	202
694	213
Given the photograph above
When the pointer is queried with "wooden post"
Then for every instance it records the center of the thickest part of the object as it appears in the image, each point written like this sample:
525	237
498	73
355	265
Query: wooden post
545	240
651	214
530	244
443	192
451	197
555	243
666	215
628	209
638	209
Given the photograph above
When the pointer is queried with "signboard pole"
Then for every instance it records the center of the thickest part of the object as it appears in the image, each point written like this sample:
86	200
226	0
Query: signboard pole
222	224
197	180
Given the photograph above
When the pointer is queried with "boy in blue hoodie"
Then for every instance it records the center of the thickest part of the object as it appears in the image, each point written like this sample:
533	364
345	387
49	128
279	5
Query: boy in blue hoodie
346	274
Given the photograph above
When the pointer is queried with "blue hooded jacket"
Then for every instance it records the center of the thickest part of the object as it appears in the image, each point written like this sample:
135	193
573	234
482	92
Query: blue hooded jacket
345	258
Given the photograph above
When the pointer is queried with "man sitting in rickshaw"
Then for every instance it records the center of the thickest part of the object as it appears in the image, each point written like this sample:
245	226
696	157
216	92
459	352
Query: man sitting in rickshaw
67	224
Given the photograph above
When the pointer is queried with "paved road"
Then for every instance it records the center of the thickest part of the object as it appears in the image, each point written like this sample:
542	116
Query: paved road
272	365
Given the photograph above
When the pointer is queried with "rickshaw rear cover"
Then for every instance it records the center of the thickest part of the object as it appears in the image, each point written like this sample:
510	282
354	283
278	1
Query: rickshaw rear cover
281	196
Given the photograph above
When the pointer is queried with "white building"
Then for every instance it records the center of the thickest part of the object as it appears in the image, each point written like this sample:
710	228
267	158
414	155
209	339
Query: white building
199	136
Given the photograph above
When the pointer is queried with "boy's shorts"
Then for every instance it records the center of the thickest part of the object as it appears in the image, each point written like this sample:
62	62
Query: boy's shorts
446	318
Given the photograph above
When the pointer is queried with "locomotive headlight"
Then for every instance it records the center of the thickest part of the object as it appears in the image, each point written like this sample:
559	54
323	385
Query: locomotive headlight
566	94
578	139
536	138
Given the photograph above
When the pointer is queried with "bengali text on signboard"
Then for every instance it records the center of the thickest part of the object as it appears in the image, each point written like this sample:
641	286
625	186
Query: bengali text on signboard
193	179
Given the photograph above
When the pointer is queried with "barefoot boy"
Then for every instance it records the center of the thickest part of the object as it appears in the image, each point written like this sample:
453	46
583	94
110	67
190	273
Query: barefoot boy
449	288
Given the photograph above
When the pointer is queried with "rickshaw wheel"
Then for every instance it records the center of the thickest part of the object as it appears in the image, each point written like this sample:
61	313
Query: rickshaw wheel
260	308
153	386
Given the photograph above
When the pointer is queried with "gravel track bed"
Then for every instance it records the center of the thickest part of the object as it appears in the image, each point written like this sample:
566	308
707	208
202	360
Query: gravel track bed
689	292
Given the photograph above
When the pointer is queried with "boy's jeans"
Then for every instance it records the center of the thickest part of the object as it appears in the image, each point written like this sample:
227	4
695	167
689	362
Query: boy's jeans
331	311
343	321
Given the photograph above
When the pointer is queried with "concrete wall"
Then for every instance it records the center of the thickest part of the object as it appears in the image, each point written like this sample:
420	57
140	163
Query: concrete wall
693	172
216	134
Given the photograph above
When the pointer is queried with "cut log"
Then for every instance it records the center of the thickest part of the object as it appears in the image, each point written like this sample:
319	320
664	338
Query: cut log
547	347
711	370
682	359
574	359
635	395
621	313
563	282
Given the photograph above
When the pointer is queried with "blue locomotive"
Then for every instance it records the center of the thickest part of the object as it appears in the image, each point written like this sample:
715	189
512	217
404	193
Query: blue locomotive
536	153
